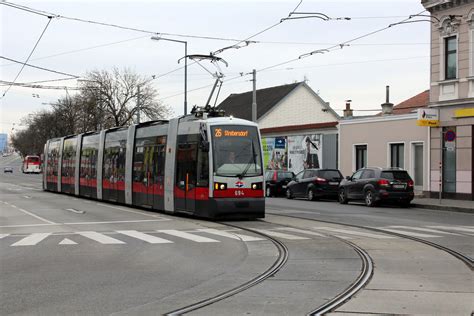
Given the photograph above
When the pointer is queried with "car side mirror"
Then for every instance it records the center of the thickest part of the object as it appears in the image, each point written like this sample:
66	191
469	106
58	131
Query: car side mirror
349	178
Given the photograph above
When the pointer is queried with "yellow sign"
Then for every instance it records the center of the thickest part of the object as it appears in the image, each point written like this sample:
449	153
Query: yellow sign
464	112
428	117
218	132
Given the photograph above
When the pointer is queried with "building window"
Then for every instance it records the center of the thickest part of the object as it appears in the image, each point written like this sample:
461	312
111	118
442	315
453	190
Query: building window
450	55
361	156
397	152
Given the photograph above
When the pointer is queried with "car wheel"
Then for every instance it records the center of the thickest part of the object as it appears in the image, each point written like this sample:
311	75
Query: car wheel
369	198
289	195
343	196
268	192
310	195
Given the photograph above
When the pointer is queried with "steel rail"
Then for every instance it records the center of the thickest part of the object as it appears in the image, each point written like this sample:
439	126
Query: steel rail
467	260
276	266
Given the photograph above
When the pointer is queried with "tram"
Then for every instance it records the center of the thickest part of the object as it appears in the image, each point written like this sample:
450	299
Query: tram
204	164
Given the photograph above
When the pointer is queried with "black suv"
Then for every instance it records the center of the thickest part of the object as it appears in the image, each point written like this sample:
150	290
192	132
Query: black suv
276	181
374	185
314	184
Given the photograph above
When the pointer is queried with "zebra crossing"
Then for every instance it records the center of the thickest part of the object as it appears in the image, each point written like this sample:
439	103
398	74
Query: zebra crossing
170	236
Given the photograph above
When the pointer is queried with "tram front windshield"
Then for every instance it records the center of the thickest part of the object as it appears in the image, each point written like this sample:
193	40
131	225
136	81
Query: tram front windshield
236	151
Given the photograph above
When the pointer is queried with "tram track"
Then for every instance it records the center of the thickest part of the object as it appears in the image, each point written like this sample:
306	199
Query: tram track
272	270
362	280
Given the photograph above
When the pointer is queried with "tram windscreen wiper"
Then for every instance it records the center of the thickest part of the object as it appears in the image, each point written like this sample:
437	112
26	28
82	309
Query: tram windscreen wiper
247	167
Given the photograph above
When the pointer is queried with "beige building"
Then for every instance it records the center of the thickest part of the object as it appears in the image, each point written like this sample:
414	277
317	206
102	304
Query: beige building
452	95
389	139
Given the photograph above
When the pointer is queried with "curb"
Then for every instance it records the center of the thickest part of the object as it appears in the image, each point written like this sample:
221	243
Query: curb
444	208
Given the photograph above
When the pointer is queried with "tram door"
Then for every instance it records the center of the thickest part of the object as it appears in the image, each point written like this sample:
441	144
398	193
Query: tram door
186	166
149	176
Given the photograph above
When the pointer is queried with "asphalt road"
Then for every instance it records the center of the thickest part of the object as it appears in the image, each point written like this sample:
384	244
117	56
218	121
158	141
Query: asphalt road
64	255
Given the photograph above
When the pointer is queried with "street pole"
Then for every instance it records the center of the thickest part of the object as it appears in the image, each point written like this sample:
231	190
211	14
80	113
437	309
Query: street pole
440	163
185	77
138	105
254	97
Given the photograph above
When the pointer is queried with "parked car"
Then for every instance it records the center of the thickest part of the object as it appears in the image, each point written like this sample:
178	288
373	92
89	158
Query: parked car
7	169
375	185
276	181
314	184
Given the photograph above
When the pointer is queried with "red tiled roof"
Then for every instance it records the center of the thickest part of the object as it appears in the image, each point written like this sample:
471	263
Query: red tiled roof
418	101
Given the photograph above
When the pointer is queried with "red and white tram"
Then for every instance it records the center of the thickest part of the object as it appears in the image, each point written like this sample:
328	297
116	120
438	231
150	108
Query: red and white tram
204	164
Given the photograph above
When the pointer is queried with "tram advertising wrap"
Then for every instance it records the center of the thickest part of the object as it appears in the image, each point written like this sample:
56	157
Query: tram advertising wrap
203	164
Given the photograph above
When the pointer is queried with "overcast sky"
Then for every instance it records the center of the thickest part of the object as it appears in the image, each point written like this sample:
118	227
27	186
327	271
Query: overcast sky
398	56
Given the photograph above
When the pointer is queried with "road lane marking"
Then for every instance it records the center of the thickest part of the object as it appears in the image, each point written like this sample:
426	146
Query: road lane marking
29	225
29	213
67	241
281	235
425	230
3	235
404	232
145	237
115	222
456	228
185	235
229	235
302	231
31	240
355	233
27	196
75	211
101	238
292	211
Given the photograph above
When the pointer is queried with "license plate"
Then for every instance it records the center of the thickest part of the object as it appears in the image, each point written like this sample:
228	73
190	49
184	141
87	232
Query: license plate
283	186
334	183
399	186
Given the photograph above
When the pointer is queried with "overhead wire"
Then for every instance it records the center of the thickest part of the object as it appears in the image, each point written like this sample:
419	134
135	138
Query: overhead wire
31	53
37	67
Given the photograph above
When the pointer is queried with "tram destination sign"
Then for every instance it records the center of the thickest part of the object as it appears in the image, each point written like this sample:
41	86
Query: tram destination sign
222	132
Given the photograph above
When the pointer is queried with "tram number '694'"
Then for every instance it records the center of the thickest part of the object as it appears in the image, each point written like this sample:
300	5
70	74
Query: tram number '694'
239	193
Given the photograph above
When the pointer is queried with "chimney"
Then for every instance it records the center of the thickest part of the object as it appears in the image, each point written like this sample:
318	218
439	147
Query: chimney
348	111
387	107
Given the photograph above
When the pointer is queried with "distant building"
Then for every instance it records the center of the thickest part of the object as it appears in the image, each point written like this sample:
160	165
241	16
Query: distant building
3	142
299	129
452	98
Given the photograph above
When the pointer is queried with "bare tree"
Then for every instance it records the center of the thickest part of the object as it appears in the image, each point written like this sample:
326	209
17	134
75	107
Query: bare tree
116	94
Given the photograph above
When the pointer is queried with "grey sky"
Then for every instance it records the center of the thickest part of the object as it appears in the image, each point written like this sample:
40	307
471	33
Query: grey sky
398	57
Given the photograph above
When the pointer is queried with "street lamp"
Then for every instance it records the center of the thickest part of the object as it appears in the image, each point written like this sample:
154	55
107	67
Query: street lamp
158	38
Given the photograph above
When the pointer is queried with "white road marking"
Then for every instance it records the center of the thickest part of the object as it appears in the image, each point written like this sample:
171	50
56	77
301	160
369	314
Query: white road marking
185	235
291	211
67	241
467	229
75	211
229	235
29	225
103	239
3	235
145	237
29	213
31	240
116	222
281	235
425	230
27	196
302	231
355	233
404	232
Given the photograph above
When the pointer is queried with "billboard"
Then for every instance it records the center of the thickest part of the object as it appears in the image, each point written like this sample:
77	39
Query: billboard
428	117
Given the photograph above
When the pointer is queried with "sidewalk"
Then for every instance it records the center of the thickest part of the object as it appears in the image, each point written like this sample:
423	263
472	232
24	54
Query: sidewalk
446	205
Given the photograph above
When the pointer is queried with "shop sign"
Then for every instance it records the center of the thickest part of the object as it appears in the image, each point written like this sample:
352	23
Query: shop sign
464	113
428	117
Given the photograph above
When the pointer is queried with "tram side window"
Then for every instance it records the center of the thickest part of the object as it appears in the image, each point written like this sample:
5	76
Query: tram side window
114	163
69	158
203	168
186	157
53	159
88	163
138	164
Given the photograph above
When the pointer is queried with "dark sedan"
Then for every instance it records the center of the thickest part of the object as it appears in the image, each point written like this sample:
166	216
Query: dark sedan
314	184
276	181
375	185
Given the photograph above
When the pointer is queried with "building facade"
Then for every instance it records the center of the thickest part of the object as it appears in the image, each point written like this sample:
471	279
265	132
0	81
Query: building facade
3	142
299	129
452	95
390	139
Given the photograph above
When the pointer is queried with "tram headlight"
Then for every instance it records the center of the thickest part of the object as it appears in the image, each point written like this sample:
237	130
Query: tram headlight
257	186
220	186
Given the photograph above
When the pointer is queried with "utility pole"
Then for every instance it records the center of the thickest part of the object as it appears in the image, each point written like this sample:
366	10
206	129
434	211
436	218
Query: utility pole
254	96
138	105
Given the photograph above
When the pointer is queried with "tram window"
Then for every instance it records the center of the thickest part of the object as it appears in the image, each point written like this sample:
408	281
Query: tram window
186	163
203	168
69	157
